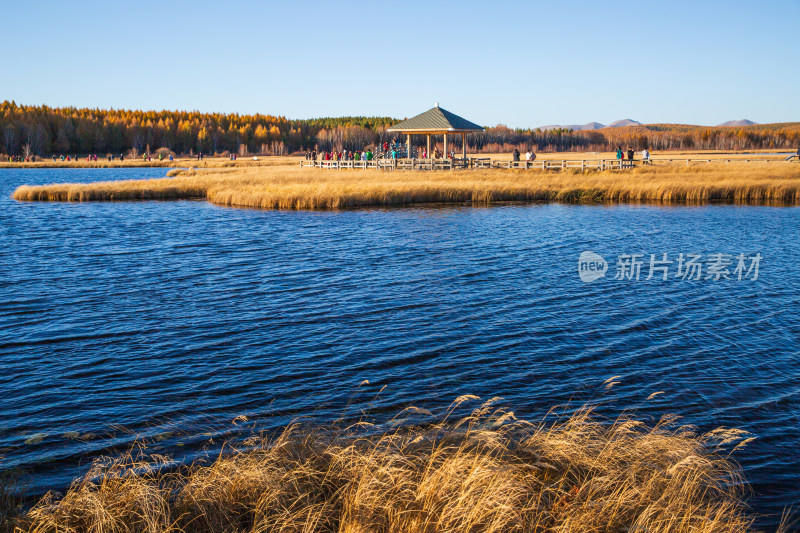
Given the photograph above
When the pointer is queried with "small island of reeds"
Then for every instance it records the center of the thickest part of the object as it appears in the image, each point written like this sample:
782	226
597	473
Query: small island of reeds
486	472
290	187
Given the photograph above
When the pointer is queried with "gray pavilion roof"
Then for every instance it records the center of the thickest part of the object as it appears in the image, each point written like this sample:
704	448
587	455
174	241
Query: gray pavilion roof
436	119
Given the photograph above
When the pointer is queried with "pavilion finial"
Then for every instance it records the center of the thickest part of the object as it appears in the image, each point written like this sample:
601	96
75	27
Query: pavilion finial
437	104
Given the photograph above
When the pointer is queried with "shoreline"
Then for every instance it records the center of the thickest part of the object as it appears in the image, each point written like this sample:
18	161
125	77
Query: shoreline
287	187
753	156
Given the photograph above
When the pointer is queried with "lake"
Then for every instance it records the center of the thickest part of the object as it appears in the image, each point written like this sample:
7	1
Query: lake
170	319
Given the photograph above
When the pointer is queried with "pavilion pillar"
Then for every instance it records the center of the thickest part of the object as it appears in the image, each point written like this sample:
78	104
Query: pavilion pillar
429	146
464	146
445	146
408	146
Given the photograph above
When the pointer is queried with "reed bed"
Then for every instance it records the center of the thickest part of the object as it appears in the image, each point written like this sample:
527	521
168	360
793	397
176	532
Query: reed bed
290	187
207	162
103	163
485	472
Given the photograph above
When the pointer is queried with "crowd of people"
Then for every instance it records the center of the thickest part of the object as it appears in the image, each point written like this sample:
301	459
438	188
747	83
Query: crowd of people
529	155
630	154
386	149
343	155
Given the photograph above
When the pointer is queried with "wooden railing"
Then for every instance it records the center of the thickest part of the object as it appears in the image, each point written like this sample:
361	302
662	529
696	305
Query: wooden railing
541	164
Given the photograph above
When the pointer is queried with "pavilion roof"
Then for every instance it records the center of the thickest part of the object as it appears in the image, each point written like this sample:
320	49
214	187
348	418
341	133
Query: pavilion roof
436	119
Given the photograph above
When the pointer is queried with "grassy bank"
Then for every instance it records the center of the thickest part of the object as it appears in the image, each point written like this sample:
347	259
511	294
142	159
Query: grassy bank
762	156
290	187
488	472
208	162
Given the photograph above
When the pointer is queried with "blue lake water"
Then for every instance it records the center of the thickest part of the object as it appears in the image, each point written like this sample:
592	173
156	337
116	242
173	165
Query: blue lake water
170	319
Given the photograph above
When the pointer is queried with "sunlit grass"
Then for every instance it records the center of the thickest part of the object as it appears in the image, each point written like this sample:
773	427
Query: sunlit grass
290	187
487	472
207	162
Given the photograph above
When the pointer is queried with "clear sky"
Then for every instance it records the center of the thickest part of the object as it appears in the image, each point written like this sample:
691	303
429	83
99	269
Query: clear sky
524	64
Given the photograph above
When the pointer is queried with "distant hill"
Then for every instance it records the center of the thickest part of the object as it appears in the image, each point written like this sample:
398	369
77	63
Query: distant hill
743	122
591	125
623	123
574	127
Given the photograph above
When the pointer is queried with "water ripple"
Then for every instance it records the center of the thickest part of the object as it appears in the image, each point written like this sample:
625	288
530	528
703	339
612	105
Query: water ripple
170	319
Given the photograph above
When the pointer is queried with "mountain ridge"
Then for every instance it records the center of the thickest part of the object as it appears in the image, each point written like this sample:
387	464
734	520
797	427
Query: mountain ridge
625	122
742	122
591	125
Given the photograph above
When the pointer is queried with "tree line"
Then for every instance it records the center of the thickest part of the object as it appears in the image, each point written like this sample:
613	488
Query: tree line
43	130
650	136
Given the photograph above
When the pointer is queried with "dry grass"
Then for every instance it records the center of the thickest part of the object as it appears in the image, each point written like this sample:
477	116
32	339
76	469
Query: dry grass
290	187
488	472
102	163
207	162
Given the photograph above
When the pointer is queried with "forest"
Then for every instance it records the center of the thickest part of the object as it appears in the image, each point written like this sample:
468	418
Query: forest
43	130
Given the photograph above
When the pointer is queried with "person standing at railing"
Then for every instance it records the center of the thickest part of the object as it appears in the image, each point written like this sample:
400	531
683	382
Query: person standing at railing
645	156
619	152
515	155
630	153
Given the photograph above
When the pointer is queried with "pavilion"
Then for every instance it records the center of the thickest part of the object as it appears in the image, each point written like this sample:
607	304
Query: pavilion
436	121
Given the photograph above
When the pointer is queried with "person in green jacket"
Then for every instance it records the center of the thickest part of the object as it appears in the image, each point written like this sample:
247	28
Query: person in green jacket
619	152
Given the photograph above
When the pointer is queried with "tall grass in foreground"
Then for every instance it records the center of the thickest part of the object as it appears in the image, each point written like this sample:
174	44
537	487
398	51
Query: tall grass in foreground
487	472
294	188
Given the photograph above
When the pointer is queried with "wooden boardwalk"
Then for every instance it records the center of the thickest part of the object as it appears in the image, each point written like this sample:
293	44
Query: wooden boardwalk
486	162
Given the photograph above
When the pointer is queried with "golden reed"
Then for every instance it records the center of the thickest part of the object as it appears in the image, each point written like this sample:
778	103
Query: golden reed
289	187
488	472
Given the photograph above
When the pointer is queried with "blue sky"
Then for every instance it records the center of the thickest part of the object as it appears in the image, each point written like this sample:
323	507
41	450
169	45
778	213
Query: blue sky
524	64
